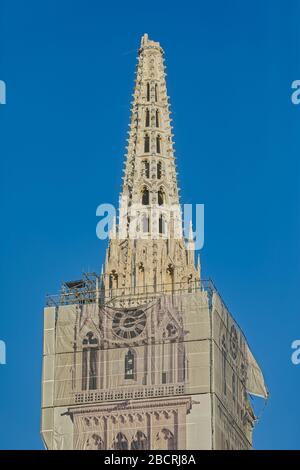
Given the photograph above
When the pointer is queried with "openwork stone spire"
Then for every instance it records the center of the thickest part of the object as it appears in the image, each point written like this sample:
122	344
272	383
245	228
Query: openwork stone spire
147	247
150	136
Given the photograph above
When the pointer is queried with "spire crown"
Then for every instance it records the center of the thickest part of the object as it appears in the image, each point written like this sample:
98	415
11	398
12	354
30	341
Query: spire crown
149	43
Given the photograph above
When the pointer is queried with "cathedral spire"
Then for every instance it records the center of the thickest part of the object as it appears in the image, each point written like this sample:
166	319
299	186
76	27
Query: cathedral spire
151	249
150	154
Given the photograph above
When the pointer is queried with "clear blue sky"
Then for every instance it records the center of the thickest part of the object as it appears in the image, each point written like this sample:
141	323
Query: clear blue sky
69	69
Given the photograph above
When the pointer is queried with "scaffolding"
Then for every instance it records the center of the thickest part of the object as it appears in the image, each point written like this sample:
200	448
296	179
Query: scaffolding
91	288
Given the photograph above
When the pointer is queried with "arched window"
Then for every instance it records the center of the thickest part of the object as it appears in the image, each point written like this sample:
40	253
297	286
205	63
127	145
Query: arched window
233	386
148	91
146	168
89	362
158	170
113	280
120	442
181	362
156	92
94	442
145	197
130	365
224	360
139	441
157	118
147	143
164	440
162	225
160	197
158	144
145	223
147	120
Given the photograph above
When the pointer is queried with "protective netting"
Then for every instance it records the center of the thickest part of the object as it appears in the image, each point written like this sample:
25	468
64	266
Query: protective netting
147	374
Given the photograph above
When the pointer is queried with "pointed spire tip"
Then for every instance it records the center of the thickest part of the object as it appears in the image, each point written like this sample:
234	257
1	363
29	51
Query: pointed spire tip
144	39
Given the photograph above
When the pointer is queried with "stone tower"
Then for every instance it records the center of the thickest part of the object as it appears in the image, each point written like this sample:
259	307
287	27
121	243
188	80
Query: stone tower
146	355
149	248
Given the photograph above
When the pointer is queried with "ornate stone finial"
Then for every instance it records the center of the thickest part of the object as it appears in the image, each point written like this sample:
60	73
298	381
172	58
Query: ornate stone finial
144	40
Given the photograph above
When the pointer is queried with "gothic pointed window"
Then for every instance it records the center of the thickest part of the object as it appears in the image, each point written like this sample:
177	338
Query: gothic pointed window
224	361
120	442
160	197
162	225
158	144
94	442
93	369
147	144
156	92
145	223
148	91
145	197
181	362
139	441
233	386
146	168
113	280
147	120
158	170
89	362
130	365
84	368
157	118
164	440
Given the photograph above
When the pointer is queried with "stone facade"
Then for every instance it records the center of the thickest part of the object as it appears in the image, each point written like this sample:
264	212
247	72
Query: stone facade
144	425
